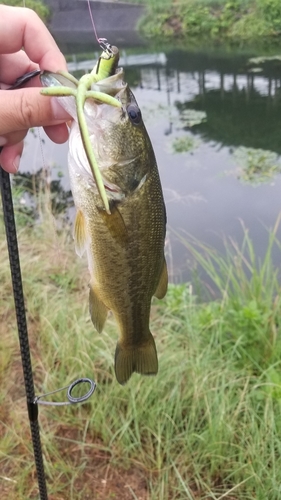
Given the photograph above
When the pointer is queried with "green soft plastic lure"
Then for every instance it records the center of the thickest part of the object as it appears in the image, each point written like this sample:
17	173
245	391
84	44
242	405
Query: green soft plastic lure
68	85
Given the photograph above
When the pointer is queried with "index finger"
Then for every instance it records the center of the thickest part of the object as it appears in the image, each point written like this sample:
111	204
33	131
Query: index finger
22	28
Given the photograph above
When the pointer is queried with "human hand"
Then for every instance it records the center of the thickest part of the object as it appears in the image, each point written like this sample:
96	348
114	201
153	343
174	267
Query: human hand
20	109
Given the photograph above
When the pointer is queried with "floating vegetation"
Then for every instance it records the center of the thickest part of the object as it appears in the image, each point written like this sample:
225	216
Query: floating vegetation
192	117
256	166
184	144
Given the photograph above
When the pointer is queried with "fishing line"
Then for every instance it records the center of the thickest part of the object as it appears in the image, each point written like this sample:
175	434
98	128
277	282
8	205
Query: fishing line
103	43
93	23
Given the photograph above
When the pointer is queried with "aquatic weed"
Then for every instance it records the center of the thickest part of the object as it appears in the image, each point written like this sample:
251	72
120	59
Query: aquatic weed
256	166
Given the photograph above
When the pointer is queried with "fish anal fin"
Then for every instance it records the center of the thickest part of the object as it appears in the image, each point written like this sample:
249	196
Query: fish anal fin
80	234
115	225
162	286
98	309
140	359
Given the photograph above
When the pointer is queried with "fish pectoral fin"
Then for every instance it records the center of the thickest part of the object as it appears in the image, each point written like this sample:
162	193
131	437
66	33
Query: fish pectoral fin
115	225
79	233
98	309
140	359
162	286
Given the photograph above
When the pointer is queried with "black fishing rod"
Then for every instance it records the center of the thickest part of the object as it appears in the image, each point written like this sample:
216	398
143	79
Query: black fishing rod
16	277
31	399
32	408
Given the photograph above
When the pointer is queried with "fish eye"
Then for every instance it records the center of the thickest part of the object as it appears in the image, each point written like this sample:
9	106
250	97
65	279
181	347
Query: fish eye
134	114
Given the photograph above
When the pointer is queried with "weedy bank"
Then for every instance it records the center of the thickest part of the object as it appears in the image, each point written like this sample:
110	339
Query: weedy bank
208	426
236	21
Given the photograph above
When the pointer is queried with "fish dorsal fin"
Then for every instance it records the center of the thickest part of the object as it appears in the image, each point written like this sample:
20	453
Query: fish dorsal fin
116	225
80	235
163	282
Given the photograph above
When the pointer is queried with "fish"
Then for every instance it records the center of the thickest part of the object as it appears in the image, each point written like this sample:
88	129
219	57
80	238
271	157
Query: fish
125	246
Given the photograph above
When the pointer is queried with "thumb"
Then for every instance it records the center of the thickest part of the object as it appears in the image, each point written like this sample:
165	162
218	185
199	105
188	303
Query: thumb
22	109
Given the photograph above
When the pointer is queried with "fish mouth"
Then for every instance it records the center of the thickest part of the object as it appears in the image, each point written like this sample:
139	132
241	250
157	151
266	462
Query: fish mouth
114	86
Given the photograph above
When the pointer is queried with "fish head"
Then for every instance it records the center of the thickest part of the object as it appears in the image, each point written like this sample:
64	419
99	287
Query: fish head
118	137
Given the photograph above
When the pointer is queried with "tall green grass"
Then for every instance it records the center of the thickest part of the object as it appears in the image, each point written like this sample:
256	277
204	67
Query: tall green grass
233	21
208	426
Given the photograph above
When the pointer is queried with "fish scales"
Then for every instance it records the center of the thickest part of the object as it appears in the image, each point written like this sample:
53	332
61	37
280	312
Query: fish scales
130	261
125	248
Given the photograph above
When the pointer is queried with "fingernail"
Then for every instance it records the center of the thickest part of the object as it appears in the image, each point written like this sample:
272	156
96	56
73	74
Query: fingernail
3	141
58	111
16	163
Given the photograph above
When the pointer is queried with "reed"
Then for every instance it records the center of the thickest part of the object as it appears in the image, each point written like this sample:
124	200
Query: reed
208	426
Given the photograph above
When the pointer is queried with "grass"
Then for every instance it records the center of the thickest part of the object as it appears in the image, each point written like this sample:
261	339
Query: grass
208	426
233	21
39	6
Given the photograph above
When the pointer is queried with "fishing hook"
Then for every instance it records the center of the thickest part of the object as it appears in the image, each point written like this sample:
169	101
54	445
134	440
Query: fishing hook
106	46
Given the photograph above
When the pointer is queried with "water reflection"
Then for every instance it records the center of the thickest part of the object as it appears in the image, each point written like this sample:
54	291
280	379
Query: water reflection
209	106
240	116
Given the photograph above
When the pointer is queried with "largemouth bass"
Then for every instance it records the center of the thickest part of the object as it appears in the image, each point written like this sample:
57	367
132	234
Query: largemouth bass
125	248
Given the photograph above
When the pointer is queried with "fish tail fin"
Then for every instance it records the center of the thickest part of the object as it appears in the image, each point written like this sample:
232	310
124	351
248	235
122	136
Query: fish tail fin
140	359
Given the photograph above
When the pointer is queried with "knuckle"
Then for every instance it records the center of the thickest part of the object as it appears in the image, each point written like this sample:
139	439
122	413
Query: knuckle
35	110
27	111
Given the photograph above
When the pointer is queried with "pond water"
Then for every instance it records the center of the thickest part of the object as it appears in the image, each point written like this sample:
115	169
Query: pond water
214	120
